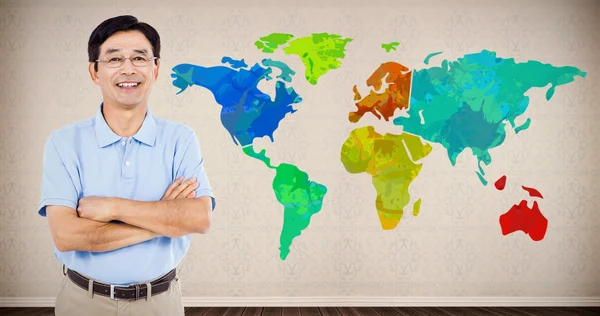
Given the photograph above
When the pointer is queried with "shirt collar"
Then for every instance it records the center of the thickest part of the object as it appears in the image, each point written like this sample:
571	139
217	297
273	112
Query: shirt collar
105	136
147	133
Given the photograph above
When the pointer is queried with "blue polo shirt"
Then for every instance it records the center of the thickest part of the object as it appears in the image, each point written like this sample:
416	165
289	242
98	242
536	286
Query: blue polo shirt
88	159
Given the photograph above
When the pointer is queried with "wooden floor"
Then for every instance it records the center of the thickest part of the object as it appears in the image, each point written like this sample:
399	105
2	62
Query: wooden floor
351	311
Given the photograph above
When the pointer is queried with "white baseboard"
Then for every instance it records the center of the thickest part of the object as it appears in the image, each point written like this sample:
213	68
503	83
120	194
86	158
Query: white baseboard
345	301
391	301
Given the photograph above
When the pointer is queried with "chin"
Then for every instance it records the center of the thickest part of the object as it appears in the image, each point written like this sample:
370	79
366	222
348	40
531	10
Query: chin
125	105
130	103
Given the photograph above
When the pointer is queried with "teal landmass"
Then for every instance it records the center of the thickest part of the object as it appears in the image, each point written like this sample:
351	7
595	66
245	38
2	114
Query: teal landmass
286	72
465	104
426	61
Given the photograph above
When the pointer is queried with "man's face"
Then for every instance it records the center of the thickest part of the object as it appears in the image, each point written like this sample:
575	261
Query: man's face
126	85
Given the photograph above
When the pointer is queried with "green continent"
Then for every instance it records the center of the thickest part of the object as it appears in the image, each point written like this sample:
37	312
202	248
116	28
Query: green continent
300	197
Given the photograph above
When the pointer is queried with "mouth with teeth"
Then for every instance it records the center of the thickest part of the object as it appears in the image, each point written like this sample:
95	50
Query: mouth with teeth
128	85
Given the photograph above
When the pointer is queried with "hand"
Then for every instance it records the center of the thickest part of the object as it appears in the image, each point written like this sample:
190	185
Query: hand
181	189
101	209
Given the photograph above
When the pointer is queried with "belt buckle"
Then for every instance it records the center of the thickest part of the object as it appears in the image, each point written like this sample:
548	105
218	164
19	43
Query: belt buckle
112	292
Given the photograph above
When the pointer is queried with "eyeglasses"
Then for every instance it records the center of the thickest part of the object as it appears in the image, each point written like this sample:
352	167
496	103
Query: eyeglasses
117	61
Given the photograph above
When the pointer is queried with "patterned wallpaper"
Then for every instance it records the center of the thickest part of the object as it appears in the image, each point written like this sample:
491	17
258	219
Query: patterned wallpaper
454	247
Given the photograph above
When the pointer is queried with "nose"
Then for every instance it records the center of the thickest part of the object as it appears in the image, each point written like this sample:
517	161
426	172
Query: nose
128	67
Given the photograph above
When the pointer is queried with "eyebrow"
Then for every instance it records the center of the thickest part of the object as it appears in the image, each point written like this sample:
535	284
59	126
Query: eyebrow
116	50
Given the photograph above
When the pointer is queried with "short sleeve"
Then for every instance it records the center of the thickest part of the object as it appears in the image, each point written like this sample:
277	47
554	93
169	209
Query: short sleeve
191	164
57	186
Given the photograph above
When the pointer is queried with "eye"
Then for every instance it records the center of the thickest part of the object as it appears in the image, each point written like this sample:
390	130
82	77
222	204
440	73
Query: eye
140	58
115	59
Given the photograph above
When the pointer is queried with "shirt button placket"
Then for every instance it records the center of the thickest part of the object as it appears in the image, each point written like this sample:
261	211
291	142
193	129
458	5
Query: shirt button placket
128	166
121	149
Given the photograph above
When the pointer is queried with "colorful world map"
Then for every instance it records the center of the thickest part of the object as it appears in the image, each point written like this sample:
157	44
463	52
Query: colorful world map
463	104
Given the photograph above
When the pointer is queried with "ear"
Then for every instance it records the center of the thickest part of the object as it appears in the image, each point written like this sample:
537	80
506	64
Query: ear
93	74
156	69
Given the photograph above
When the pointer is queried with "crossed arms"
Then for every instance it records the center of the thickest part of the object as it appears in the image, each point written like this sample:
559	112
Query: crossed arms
178	213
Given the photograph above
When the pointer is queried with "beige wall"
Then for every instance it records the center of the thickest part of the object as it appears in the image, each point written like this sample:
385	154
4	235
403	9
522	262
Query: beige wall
452	248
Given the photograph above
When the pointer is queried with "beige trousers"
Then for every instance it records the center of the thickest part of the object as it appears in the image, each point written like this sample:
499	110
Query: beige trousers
72	300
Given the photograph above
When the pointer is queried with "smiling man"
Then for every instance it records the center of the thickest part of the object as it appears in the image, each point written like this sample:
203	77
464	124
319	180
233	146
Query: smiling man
123	190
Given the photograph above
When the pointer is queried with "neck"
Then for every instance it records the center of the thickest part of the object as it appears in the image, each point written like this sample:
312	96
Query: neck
124	122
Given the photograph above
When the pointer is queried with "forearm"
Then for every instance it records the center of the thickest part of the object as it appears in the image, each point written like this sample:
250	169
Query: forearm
171	218
89	235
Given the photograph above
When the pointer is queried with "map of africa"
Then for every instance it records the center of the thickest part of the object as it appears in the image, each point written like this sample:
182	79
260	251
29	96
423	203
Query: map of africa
462	104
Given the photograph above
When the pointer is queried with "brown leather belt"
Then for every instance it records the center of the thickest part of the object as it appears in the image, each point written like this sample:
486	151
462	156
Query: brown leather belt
131	292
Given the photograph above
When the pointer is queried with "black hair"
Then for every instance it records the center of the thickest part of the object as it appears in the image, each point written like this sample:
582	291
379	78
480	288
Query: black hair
120	24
